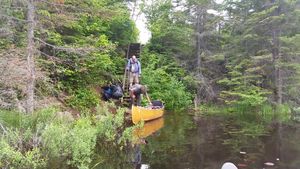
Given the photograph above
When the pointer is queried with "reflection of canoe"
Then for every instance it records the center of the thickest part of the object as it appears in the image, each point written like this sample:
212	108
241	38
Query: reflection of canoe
149	128
145	114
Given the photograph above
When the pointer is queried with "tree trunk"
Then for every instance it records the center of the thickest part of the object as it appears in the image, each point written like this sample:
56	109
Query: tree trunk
30	57
279	85
198	55
277	69
197	99
276	60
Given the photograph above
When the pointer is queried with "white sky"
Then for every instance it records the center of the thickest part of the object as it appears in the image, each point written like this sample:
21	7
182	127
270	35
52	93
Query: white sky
219	1
140	21
145	34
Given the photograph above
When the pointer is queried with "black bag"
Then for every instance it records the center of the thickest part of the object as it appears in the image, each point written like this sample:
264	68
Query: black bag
157	103
106	93
117	92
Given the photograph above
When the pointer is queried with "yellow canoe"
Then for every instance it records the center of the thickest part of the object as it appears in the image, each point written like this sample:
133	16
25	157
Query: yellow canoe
148	128
145	114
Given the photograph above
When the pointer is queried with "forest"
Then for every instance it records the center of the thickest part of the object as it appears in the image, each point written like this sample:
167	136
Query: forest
204	57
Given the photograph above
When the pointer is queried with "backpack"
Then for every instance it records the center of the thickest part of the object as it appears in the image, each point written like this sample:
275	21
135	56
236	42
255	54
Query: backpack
117	92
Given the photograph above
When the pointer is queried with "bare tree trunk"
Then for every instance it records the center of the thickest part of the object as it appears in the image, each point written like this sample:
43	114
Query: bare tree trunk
198	55
30	57
279	85
197	100
277	69
276	60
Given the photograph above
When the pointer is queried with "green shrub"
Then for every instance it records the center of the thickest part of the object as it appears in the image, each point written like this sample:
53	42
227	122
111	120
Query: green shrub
76	141
163	86
56	141
43	137
83	99
20	149
245	98
82	141
10	118
109	126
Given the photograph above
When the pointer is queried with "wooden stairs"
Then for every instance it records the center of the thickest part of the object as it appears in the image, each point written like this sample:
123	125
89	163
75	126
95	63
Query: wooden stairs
132	49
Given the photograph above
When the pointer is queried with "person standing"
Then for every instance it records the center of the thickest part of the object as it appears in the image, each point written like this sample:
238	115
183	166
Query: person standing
134	68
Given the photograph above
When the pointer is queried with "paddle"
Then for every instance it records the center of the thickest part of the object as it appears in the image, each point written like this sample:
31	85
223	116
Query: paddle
148	98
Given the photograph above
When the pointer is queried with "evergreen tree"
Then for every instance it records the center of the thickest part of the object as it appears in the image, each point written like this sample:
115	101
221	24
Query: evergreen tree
257	56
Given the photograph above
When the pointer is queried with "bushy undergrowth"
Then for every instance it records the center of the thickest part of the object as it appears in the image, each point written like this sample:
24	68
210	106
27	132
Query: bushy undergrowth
266	112
45	135
83	99
163	82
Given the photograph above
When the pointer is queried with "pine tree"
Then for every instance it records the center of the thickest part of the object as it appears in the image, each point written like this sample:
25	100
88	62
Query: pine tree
257	50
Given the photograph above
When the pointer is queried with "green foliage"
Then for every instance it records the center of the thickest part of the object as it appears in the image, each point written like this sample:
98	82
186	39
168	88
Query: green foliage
11	157
251	52
83	138
74	141
109	125
10	119
83	99
163	85
56	140
242	88
170	34
86	42
265	113
47	135
251	97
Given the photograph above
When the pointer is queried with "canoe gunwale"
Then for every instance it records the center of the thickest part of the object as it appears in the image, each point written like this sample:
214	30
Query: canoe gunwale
140	113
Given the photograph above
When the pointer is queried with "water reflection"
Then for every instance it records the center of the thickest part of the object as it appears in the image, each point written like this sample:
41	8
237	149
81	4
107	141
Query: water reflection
149	128
181	141
208	142
140	135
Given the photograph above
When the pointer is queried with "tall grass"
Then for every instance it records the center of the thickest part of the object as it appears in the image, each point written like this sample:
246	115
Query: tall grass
265	112
34	140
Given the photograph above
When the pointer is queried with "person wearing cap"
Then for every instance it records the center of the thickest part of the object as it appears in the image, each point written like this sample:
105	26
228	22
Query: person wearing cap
134	68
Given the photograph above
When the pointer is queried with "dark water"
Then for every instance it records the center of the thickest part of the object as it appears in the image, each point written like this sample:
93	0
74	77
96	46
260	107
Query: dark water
182	141
186	142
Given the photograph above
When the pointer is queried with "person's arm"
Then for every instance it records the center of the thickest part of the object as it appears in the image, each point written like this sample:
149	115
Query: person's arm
150	103
140	68
128	65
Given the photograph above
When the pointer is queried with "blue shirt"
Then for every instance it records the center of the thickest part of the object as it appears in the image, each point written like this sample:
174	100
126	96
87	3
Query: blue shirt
134	67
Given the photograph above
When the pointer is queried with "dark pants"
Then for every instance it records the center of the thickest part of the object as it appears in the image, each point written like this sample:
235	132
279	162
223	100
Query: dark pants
137	100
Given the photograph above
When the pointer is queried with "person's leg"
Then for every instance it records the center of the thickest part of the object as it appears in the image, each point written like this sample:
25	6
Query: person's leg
136	78
131	77
138	100
132	101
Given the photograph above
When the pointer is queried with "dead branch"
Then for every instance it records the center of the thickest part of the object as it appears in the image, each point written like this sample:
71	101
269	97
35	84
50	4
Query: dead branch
66	6
80	51
13	18
2	127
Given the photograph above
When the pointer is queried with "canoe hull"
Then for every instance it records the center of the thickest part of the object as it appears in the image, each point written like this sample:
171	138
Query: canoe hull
145	114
